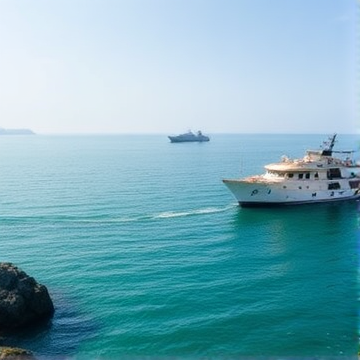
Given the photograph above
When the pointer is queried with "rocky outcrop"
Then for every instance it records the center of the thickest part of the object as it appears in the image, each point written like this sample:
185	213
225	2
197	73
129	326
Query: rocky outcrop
22	300
16	132
9	353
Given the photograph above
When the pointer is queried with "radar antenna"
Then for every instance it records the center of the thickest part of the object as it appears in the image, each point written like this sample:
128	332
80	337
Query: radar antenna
328	146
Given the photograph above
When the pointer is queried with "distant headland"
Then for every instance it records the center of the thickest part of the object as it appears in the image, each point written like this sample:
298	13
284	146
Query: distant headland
16	132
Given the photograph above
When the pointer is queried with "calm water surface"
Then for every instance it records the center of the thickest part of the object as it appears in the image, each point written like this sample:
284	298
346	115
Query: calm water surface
146	253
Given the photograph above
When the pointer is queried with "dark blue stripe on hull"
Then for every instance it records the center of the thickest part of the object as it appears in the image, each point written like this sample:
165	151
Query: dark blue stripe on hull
279	204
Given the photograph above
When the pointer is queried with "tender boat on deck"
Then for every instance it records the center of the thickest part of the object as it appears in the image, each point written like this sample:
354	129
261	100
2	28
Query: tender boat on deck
318	177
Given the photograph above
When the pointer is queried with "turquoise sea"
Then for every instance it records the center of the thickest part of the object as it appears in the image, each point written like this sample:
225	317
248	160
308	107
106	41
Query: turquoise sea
146	253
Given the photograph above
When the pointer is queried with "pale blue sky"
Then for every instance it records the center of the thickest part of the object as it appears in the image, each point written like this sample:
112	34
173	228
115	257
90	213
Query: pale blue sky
164	66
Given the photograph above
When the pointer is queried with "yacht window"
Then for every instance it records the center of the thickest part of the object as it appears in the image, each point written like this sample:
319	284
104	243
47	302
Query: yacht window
334	173
333	186
290	175
316	176
301	176
307	175
354	184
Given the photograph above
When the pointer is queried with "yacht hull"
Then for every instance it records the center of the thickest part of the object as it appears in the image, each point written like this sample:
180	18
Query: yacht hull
252	194
176	139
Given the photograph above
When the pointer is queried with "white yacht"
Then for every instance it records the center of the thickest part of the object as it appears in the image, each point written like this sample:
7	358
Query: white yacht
320	176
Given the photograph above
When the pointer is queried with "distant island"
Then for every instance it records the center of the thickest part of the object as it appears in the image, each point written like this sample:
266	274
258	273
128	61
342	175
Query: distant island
16	132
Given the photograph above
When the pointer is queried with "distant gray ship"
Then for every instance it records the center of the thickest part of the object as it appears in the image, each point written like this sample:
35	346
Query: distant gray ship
16	132
189	137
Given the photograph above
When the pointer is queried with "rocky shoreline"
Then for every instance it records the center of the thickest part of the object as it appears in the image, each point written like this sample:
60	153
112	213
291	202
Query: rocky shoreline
16	132
10	353
23	303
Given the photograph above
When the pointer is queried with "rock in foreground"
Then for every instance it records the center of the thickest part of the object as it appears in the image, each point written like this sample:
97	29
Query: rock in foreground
8	353
22	300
